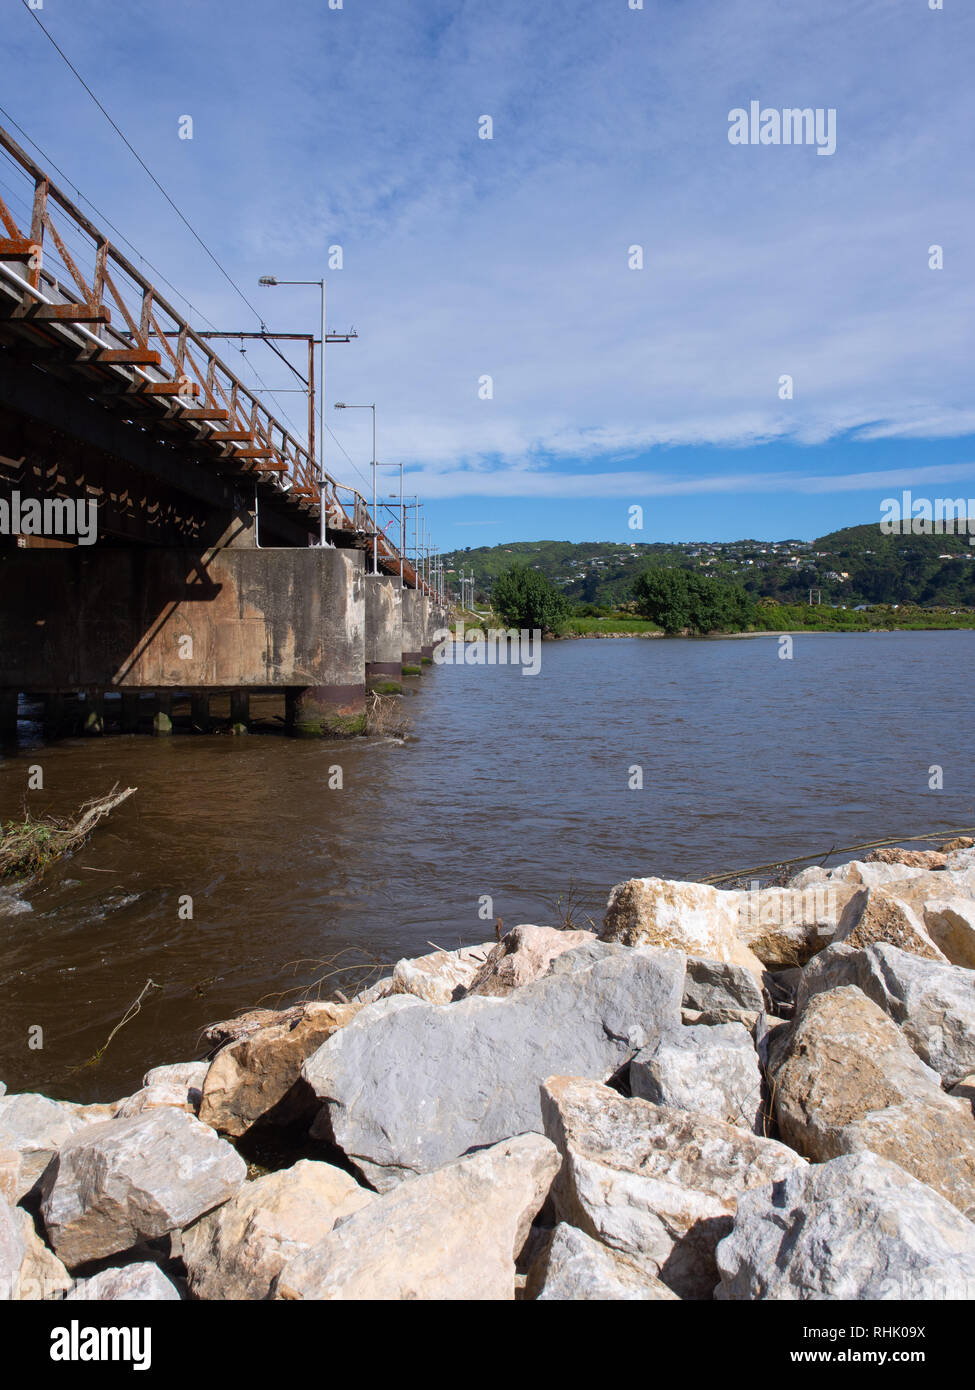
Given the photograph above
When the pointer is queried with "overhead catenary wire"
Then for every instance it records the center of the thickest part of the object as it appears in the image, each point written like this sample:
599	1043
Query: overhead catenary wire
135	153
186	222
102	217
226	274
156	272
347	455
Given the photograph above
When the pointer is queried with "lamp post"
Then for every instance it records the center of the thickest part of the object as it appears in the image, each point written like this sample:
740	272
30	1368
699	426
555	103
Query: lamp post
341	405
269	281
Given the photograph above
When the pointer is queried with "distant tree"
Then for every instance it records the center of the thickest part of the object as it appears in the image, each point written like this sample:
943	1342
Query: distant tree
680	600
524	598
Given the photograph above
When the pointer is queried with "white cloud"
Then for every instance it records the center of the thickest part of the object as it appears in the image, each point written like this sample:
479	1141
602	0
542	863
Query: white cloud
465	257
526	482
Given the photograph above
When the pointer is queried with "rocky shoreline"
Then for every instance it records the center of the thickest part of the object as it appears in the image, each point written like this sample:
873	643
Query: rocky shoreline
735	1095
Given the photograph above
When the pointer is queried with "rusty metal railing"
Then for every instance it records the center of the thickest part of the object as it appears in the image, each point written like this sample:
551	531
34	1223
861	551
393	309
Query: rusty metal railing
74	289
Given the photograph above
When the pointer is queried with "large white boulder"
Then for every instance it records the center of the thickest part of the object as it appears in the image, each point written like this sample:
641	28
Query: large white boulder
858	1227
114	1184
442	976
407	1086
950	923
711	1070
522	955
32	1128
659	1186
180	1084
933	1003
237	1251
785	926
571	1267
453	1234
875	915
690	917
28	1270
873	875
135	1283
849	1081
725	993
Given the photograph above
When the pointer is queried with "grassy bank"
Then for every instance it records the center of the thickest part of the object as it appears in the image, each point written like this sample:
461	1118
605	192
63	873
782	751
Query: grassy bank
622	622
773	618
791	617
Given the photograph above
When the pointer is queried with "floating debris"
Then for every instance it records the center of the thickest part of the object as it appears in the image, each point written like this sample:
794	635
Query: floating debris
29	845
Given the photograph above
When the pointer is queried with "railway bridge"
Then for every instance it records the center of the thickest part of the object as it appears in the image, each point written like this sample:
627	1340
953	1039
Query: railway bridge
222	560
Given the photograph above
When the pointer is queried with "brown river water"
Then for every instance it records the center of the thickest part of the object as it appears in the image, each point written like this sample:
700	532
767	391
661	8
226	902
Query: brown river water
514	787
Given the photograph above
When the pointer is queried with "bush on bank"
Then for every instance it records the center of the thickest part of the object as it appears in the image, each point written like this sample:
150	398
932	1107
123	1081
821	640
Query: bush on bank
682	601
523	598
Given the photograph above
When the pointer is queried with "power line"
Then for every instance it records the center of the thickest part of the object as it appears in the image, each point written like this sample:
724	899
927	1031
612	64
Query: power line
129	146
270	392
157	273
103	218
342	447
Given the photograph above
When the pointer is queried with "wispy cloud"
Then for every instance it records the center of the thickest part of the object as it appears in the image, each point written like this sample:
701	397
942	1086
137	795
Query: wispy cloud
519	482
507	258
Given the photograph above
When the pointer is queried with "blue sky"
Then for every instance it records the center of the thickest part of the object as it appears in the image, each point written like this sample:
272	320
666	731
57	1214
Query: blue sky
509	257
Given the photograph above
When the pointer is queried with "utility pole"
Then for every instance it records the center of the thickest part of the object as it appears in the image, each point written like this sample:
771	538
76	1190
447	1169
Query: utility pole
316	448
402	526
342	405
392	497
269	281
414	504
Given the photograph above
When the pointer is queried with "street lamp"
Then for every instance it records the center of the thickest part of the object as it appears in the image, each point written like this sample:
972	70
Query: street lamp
341	405
268	282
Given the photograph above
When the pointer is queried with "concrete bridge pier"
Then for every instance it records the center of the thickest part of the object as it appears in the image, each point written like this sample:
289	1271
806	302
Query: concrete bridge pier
384	630
413	628
322	710
55	715
439	621
240	711
166	621
430	625
333	628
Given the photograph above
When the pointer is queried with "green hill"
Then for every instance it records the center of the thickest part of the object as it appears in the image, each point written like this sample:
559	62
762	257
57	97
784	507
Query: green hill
853	566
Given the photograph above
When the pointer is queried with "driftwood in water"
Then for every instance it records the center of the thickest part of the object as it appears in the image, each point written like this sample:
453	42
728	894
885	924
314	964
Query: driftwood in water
30	845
